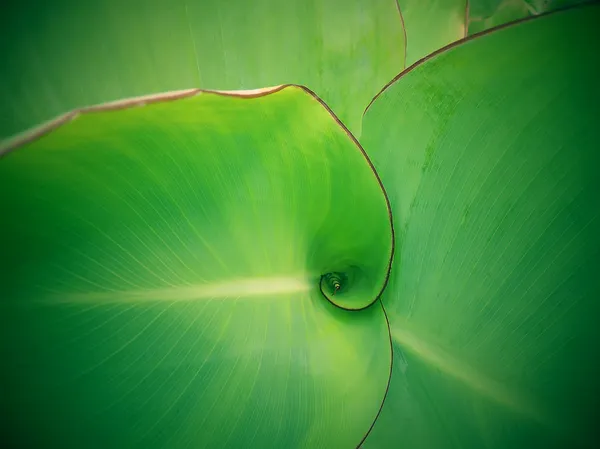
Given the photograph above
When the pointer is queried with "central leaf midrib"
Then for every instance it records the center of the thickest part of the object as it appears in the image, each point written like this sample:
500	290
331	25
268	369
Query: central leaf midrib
239	288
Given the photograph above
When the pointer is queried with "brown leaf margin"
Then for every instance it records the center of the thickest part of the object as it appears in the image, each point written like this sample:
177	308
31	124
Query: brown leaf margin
41	130
467	39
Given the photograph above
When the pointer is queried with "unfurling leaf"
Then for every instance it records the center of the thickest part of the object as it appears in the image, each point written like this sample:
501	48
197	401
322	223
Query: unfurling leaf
162	272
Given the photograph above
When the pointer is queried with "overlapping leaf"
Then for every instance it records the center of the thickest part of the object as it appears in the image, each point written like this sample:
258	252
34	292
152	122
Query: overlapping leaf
489	154
486	14
161	276
433	24
67	54
163	265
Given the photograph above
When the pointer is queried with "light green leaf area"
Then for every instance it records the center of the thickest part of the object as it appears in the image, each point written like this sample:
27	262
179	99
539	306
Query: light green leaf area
489	154
161	278
430	25
485	14
69	54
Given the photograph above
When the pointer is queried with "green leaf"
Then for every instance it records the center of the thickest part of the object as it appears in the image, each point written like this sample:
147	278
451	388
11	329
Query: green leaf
489	154
485	14
430	25
433	24
162	273
488	14
68	54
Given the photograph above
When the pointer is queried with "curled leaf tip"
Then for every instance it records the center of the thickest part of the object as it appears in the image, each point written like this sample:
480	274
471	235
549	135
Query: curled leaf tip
350	288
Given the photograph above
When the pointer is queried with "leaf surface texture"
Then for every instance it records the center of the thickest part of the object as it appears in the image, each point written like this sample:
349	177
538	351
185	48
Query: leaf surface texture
488	152
161	277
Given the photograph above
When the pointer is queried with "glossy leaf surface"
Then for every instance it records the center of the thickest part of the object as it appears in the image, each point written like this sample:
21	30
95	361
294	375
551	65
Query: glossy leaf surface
161	278
67	54
489	154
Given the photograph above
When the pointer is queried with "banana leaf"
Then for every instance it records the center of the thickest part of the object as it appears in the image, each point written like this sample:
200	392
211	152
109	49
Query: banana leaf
204	267
432	24
66	54
198	269
489	154
483	15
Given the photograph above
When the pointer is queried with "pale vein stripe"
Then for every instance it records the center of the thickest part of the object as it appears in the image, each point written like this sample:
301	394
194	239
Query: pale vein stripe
461	371
243	288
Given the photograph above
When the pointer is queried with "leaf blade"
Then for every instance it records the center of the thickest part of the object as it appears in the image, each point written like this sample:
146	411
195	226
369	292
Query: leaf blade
491	178
199	226
70	55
